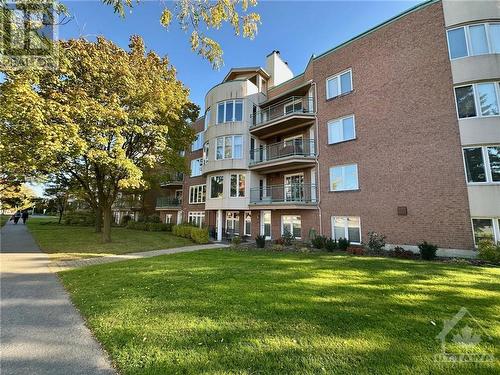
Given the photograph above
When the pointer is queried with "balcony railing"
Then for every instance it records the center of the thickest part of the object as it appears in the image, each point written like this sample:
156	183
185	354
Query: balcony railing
287	107
294	147
284	194
163	202
174	179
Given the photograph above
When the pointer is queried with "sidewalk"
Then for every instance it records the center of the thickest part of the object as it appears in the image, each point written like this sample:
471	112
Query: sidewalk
41	331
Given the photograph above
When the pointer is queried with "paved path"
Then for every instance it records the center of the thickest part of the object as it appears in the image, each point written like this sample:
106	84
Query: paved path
70	264
41	331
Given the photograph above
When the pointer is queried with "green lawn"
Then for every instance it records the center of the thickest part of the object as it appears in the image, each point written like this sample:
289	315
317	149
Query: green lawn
4	219
64	242
228	312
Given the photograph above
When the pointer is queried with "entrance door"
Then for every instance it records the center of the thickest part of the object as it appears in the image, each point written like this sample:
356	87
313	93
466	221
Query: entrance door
233	223
294	187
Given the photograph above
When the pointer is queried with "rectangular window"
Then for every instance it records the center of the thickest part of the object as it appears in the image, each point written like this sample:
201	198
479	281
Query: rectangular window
230	110
196	165
483	230
465	101
233	222
248	223
237	144
168	218
207	118
205	152
348	227
237	185
479	43
196	218
238	110
291	224
197	194
229	147
216	186
339	84
198	142
220	113
341	130
220	148
474	40
265	224
457	44
344	177
488	101
482	164
495	37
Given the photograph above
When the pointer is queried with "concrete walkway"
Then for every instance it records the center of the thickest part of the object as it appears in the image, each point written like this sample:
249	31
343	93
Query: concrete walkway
71	264
41	331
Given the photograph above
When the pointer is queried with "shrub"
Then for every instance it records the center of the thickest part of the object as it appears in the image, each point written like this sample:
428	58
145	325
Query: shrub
183	230
399	252
287	238
156	227
260	241
427	250
236	240
304	250
277	247
319	242
200	235
343	244
355	250
331	244
126	219
375	244
83	218
489	251
279	241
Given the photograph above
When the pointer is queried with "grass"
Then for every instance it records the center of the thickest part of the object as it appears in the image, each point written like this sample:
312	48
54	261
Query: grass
4	219
64	242
229	312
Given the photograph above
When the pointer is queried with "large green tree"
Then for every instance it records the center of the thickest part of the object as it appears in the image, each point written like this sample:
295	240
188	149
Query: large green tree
103	117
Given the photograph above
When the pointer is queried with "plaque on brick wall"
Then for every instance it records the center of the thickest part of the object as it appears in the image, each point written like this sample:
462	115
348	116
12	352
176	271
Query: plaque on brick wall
402	210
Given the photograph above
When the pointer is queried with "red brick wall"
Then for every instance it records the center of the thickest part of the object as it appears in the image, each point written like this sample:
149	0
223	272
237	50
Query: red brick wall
407	148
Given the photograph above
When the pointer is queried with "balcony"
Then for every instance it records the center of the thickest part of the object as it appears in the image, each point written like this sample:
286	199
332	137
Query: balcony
282	156
285	196
175	179
289	115
168	202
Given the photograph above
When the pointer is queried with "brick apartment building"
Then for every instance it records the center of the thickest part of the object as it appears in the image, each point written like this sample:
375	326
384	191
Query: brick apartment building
396	131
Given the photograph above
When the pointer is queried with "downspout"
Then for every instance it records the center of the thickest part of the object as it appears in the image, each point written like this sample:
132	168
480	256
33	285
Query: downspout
318	177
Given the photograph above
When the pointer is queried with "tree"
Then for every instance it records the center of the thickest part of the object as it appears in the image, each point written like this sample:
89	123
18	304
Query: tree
59	192
121	113
17	197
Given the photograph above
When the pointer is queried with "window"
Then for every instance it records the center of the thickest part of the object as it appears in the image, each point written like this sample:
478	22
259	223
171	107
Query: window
233	222
216	186
348	227
205	152
486	229
196	218
344	177
292	225
474	40
341	130
294	106
196	167
168	218
248	223
230	110
207	118
339	84
482	164
198	142
265	224
237	185
229	147
479	99
197	194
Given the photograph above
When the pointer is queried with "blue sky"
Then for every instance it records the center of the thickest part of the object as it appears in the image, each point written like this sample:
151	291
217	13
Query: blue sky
296	28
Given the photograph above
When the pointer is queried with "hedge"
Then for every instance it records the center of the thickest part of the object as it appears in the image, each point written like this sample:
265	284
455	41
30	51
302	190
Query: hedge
151	227
198	235
83	218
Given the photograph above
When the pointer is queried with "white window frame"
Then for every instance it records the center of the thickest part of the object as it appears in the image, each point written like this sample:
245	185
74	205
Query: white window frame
496	227
262	224
292	104
468	40
198	142
291	224
200	161
168	218
231	217
339	84
233	103
346	228
486	162
211	180
343	174
198	216
238	175
340	119
247	219
477	102
223	138
199	192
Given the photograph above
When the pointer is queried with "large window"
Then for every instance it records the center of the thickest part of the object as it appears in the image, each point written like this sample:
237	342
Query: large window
486	229
229	147
348	227
339	84
197	194
207	118
291	224
248	223
482	164
233	222
196	218
474	40
265	224
198	142
196	165
341	130
479	99
216	186
205	152
230	110
237	185
344	177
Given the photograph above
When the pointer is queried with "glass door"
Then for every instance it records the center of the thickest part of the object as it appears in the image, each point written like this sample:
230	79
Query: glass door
294	188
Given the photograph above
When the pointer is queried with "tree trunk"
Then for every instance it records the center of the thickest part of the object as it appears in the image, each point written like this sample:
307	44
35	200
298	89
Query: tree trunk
98	219
60	216
106	225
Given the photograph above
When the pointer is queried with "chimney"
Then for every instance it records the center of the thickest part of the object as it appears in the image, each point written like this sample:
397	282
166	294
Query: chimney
277	69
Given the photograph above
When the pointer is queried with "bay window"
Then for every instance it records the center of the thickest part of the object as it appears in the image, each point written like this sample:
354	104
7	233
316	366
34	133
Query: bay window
229	147
216	186
478	99
237	185
229	110
482	164
472	40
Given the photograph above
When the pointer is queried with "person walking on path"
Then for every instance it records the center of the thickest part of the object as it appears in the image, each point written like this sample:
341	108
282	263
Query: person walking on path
17	216
24	216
